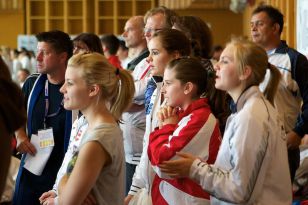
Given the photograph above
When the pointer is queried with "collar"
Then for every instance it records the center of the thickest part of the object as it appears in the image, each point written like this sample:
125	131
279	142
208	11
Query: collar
195	105
249	92
282	48
157	79
270	52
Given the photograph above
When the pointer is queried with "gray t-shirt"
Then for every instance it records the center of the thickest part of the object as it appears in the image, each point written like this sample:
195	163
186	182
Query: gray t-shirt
109	187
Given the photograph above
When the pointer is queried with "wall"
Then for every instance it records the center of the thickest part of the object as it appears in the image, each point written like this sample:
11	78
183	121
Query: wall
12	24
224	22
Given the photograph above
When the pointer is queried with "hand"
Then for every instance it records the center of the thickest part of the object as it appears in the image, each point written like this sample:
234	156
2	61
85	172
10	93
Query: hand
46	195
293	140
48	201
127	199
168	115
178	168
23	144
90	200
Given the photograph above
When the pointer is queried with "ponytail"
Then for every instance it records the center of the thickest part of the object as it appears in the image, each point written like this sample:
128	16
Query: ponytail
124	95
117	85
273	83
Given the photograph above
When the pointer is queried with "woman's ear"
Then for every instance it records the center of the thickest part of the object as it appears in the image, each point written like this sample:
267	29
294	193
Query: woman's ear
94	90
188	88
246	74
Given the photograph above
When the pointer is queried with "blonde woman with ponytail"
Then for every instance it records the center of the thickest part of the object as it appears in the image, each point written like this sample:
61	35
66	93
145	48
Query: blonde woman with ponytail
101	92
252	165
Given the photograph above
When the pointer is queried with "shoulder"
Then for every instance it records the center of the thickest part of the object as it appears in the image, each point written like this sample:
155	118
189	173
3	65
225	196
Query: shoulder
256	111
295	56
29	83
105	133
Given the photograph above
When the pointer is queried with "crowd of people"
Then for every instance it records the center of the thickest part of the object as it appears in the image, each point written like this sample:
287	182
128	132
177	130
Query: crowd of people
160	116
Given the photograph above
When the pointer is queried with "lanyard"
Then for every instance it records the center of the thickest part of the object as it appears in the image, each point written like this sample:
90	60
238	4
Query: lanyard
47	105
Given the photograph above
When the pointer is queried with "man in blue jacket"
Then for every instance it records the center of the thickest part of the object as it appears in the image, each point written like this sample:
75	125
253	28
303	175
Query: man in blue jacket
45	112
292	96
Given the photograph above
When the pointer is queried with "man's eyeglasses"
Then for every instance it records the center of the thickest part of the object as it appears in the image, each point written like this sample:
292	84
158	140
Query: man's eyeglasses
151	30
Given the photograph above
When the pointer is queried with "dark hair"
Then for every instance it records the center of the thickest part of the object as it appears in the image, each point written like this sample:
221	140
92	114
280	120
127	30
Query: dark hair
111	42
217	48
91	40
60	41
169	15
201	74
122	45
190	70
199	34
174	40
274	14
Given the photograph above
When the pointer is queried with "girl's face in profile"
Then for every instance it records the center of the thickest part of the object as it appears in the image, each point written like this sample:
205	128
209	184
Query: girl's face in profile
173	90
75	90
159	57
227	77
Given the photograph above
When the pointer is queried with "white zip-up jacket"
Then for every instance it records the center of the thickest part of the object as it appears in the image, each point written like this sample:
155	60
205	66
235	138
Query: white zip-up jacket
252	164
144	173
133	123
291	99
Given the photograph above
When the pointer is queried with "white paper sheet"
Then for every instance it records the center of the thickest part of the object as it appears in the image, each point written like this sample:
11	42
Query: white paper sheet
35	164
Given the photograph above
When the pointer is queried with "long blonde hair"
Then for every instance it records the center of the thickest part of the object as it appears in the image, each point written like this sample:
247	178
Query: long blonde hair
117	85
247	53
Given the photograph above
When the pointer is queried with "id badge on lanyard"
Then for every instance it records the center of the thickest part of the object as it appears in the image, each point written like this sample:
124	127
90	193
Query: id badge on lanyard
46	138
46	135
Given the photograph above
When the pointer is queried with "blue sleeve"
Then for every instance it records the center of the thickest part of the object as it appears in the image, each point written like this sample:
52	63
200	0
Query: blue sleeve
301	77
151	86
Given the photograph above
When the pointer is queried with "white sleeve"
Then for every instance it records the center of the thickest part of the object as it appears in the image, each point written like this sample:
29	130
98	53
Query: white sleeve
140	86
248	143
67	157
63	167
140	78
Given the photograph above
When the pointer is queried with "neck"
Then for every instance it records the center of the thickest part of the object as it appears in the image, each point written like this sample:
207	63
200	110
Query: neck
140	48
97	113
55	79
236	92
273	44
186	104
58	76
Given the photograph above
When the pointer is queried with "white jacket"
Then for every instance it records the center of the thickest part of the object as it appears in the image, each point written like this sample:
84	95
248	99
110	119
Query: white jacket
144	173
252	164
133	123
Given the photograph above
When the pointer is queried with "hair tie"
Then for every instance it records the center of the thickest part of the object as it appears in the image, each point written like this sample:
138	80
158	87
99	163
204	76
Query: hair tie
117	71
